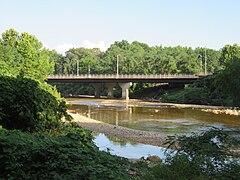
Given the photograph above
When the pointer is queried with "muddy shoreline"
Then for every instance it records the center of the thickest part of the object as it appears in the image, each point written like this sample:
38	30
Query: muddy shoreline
144	137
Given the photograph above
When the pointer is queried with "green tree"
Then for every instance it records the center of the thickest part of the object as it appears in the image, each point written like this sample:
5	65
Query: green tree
10	61
58	60
84	58
35	62
230	58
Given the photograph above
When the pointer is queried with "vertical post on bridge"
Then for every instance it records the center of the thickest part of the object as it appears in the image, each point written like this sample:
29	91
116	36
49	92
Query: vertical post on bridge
118	64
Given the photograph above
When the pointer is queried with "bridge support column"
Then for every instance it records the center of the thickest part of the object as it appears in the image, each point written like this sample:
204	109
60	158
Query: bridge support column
110	89
125	89
97	87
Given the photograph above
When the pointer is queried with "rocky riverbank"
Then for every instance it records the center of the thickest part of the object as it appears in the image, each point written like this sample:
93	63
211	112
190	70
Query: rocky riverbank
223	111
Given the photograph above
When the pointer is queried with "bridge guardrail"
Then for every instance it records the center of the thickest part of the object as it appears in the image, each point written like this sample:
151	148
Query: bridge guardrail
124	76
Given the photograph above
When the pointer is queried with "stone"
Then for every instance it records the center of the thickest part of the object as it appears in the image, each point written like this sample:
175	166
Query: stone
154	158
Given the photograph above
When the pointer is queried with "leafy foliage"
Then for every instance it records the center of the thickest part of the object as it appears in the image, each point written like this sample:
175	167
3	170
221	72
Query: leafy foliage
68	155
200	156
230	57
137	58
221	88
10	61
23	54
27	106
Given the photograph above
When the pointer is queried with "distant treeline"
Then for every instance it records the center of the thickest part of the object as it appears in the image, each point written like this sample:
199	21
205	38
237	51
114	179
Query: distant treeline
138	58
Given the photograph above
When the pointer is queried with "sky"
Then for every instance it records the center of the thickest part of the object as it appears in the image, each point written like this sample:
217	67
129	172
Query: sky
63	24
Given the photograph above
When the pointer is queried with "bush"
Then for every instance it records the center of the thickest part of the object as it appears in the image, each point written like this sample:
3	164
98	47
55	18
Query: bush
68	155
190	95
196	95
207	90
200	156
27	105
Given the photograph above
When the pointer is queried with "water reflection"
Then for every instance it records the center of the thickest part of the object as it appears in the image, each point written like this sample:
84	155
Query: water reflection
127	149
153	117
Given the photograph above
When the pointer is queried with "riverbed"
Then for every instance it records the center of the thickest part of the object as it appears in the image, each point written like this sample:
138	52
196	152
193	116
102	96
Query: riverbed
154	117
146	117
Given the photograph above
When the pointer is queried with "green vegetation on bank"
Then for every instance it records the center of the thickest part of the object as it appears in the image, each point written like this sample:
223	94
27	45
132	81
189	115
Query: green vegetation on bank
221	88
67	154
200	156
36	144
27	105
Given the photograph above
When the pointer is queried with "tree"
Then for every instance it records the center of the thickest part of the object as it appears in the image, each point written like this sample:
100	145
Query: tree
230	58
35	62
84	58
58	60
10	61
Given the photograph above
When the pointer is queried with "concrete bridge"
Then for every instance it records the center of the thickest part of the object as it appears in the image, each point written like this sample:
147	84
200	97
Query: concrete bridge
124	81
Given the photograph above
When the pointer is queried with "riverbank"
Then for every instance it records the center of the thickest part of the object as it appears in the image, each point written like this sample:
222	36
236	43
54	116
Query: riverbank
144	137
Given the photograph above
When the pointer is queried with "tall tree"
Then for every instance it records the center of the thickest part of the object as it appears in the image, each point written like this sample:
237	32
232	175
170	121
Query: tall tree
83	58
35	62
230	58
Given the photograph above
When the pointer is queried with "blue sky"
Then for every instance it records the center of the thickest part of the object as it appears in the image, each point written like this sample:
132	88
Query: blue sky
62	24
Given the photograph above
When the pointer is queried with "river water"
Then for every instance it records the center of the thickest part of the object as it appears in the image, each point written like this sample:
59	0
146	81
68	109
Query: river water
145	116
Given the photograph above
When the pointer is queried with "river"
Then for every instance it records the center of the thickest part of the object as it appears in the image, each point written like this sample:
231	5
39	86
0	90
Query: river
139	115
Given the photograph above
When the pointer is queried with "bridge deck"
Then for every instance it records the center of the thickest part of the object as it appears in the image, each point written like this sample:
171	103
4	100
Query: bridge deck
109	78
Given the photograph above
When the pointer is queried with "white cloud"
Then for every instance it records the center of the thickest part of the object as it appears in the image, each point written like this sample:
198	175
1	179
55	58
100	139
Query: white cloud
86	44
63	48
100	45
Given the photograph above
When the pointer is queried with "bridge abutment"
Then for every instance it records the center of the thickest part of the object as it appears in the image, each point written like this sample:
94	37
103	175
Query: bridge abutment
125	89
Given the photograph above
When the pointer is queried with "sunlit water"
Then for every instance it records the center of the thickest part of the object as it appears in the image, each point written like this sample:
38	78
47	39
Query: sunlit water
127	149
148	117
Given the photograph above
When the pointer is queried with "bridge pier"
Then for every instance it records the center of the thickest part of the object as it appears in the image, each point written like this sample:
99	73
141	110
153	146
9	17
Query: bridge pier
125	89
110	89
97	87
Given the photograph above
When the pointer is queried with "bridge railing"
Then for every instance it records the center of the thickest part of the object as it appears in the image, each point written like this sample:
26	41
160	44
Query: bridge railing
125	76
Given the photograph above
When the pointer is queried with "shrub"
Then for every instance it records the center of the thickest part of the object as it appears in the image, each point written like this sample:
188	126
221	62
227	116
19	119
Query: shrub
26	105
196	95
68	155
200	156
